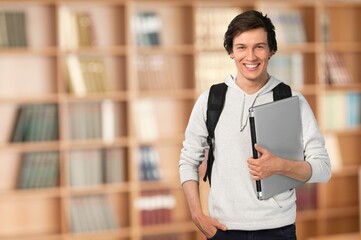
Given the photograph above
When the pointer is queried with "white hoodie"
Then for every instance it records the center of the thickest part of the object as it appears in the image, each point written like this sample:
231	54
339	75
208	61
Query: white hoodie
232	198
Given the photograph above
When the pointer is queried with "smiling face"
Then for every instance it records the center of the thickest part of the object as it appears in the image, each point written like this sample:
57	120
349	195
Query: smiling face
251	54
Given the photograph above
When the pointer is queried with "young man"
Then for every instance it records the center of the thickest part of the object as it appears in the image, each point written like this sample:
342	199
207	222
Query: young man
234	210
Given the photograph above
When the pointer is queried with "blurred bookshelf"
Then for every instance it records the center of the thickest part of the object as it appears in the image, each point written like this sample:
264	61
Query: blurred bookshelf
95	97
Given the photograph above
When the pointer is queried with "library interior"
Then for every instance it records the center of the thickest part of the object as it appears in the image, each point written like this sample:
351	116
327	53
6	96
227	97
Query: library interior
118	80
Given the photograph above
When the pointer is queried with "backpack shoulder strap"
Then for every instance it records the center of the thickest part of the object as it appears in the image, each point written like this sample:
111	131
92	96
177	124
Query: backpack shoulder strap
216	99
281	91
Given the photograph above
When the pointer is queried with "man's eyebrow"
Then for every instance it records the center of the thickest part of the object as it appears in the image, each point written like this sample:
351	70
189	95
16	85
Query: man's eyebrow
261	43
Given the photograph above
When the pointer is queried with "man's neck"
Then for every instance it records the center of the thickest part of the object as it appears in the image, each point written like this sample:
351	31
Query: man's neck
251	86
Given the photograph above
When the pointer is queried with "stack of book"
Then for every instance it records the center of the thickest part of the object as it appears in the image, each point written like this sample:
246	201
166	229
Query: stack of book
342	110
146	128
95	166
213	67
76	29
306	196
156	72
337	72
155	207
288	68
211	24
36	122
13	29
93	120
87	74
91	214
147	28
149	169
38	170
288	22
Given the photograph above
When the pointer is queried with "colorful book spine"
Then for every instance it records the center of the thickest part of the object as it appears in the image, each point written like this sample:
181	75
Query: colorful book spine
149	169
36	122
93	213
341	110
38	170
92	167
76	28
13	32
147	27
155	207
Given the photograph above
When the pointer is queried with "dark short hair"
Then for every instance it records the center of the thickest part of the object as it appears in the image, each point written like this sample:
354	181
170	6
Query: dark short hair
249	20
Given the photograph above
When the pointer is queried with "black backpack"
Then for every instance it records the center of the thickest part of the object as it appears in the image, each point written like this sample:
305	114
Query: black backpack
216	99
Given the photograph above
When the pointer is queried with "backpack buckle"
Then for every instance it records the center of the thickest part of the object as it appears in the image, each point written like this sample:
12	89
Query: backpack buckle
210	141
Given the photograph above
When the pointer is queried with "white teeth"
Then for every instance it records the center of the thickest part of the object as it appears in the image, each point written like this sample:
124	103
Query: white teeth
251	66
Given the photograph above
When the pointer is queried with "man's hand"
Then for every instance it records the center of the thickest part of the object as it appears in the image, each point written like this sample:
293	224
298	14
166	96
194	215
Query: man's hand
208	225
266	165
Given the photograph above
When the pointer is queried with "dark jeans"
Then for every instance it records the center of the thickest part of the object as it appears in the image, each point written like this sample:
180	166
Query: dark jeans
282	233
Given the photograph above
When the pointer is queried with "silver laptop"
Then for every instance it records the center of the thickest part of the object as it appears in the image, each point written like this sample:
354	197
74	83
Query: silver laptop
277	126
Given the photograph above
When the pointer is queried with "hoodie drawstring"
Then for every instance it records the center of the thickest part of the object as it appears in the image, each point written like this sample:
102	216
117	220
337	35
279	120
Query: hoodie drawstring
243	126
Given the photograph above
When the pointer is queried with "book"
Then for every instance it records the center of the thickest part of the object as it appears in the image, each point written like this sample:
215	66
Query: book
67	28
86	75
85	121
341	110
75	75
38	170
147	27
155	207
3	30
146	128
35	122
21	33
85	28
288	68
91	213
115	165
85	167
14	29
325	25
76	28
286	20
211	23
212	68
306	195
353	109
108	120
337	72
149	169
333	147
91	167
159	72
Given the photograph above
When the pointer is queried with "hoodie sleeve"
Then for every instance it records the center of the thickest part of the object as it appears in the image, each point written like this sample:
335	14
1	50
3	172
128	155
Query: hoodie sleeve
195	142
314	145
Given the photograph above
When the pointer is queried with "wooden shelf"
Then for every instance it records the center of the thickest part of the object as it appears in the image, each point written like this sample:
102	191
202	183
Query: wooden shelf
169	76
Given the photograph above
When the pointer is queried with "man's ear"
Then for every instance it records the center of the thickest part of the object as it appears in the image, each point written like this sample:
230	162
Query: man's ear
231	55
271	54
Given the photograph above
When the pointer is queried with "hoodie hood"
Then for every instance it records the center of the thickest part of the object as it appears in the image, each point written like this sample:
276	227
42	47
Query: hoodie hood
272	82
246	100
